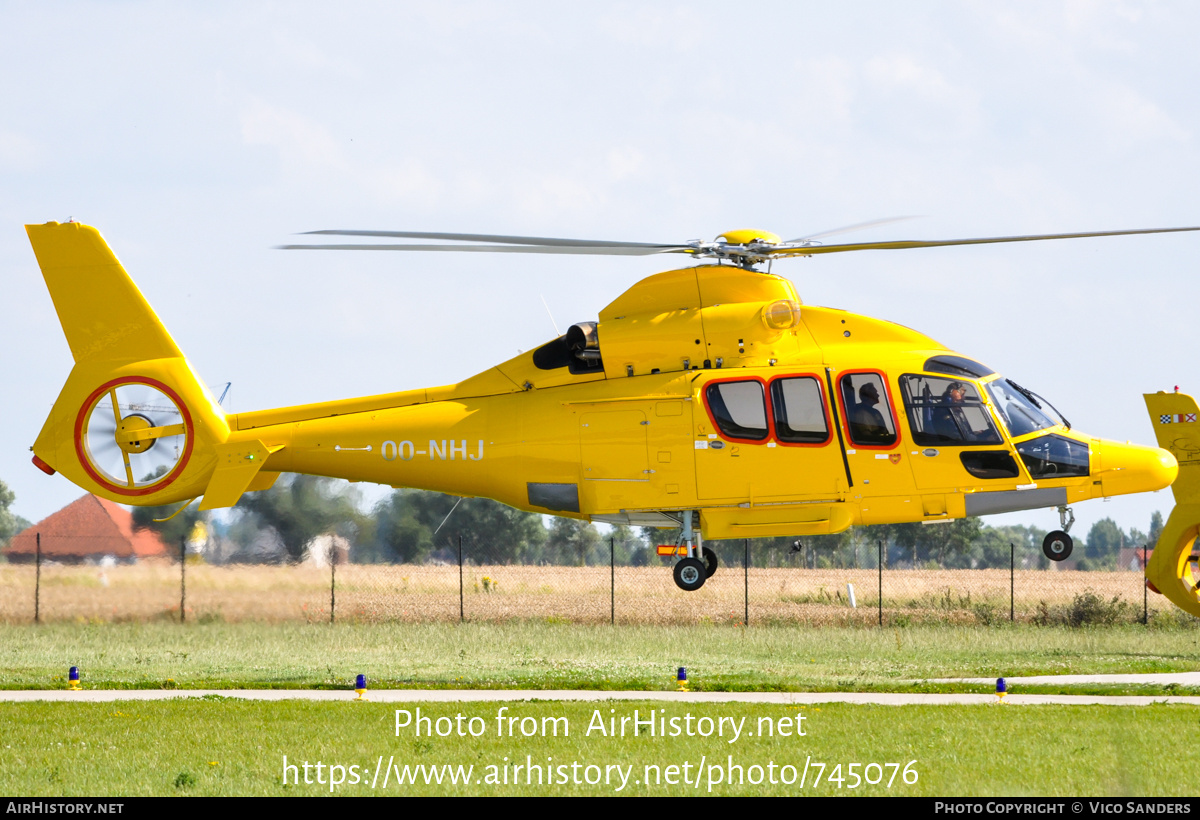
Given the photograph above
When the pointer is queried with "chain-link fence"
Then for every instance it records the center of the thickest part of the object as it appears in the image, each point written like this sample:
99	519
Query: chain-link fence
854	584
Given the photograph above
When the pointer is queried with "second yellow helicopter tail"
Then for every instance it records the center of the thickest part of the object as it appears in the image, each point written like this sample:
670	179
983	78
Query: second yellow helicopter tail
133	423
1171	569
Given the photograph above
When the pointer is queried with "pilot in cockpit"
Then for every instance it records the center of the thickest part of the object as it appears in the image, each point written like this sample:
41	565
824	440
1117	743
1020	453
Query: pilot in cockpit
955	393
945	425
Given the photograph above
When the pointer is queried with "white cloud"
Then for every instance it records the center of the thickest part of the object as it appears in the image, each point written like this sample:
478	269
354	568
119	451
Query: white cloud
18	152
547	197
624	162
903	72
1129	118
410	181
918	99
297	138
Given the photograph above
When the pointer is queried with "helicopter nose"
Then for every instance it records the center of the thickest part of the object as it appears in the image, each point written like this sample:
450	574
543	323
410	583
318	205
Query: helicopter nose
1132	468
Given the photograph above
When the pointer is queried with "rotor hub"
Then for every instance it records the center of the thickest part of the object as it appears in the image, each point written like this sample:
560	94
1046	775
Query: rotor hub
131	424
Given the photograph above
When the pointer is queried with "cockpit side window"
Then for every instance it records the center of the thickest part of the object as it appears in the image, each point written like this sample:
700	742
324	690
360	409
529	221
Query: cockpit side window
739	409
868	412
946	412
1055	457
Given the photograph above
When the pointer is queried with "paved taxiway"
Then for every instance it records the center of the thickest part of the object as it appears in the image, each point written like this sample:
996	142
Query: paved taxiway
482	695
477	695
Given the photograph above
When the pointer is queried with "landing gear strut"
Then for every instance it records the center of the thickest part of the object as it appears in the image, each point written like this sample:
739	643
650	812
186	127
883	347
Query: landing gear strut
1057	545
691	572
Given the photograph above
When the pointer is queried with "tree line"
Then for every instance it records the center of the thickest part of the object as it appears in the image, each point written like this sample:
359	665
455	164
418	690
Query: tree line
413	526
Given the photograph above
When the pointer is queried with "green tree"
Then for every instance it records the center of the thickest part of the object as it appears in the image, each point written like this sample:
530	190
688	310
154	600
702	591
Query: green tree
301	507
10	522
414	525
171	531
576	541
1104	539
629	547
400	535
1156	528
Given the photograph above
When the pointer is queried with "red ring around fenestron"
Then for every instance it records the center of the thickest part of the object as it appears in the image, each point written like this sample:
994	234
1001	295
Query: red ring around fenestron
86	462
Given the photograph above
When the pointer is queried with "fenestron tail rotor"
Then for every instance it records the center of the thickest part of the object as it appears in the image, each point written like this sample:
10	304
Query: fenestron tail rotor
744	248
134	435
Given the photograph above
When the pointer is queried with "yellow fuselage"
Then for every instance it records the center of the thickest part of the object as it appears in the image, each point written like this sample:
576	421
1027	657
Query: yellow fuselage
626	440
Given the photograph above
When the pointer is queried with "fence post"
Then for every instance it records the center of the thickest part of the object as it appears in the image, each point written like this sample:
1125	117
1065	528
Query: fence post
746	583
1145	594
880	583
461	616
1012	582
37	583
182	578
332	577
612	580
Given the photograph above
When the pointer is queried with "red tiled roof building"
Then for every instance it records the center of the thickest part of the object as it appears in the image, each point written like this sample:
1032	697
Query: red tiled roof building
87	530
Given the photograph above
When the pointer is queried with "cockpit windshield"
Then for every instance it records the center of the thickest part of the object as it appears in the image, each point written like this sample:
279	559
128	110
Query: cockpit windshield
1021	410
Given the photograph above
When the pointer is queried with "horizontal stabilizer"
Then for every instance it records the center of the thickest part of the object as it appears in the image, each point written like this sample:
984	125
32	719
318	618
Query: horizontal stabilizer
238	472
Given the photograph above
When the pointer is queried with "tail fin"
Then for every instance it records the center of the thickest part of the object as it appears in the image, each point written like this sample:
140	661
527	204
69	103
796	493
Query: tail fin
133	423
1170	569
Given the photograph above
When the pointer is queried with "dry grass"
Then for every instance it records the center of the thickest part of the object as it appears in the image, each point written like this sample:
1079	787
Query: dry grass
643	595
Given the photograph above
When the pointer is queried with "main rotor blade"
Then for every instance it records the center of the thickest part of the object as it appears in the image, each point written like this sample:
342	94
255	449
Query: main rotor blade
857	226
937	243
602	250
487	237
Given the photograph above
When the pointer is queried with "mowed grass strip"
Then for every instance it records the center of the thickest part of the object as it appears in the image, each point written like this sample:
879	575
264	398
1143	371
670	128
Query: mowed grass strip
229	747
537	655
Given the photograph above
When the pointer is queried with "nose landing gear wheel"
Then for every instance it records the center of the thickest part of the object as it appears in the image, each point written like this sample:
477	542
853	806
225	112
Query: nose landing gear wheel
1057	546
710	562
690	574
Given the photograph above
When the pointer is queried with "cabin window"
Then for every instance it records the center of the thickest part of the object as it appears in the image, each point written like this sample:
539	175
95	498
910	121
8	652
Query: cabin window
739	409
799	411
868	412
946	412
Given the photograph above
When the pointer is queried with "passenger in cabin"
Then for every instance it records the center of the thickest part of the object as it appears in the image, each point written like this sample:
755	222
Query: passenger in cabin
867	423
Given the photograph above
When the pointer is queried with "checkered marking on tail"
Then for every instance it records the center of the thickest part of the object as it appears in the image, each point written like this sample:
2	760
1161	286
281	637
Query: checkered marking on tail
1180	418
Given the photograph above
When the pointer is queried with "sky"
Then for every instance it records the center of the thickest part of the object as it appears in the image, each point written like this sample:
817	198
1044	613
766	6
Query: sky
196	137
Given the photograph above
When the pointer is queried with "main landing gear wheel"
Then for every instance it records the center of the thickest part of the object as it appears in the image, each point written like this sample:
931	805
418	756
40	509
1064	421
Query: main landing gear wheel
690	574
1057	546
710	562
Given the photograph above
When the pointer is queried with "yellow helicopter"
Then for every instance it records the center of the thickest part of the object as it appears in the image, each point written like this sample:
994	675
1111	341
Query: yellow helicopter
704	398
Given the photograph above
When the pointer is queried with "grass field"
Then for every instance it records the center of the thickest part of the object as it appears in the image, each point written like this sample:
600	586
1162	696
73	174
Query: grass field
528	628
631	595
219	746
225	747
537	655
